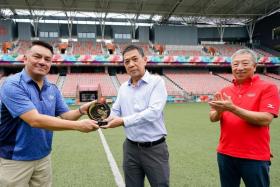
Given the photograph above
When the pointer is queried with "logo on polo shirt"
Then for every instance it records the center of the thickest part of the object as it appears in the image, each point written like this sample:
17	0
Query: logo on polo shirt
251	94
51	97
270	106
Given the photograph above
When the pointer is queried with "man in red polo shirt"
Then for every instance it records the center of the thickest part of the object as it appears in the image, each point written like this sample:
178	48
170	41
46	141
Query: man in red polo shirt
245	109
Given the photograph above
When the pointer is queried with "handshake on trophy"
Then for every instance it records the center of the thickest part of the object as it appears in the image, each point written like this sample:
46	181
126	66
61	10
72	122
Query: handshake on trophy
99	111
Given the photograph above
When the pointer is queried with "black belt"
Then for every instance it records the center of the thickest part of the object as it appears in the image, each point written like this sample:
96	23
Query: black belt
147	144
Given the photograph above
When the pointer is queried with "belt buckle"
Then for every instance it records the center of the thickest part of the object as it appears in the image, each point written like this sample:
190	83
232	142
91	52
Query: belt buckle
144	144
147	144
138	144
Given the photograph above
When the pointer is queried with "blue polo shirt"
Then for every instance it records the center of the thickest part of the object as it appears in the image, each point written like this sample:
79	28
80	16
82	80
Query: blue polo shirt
18	95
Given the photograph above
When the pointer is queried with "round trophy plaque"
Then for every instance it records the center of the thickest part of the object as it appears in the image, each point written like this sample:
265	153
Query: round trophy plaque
99	112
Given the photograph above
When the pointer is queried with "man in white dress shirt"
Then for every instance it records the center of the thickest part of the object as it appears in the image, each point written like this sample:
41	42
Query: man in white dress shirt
139	109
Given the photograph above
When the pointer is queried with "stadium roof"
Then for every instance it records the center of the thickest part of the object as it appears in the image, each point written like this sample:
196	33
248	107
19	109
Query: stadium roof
147	11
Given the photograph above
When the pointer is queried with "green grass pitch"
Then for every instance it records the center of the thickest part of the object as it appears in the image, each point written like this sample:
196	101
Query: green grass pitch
78	159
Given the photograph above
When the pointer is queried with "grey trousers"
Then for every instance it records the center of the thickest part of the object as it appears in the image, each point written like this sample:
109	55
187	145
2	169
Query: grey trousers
152	162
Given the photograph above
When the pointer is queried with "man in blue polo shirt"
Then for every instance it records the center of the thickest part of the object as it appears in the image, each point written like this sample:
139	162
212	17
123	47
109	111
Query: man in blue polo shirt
28	109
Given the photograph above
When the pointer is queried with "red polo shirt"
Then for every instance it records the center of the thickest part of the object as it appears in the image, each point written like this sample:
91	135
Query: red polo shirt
238	138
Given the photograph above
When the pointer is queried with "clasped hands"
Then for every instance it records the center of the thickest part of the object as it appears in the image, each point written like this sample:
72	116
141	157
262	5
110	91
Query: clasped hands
222	102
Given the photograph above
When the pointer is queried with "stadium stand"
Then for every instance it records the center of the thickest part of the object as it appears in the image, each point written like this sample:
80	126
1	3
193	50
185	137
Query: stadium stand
22	46
170	87
87	48
223	49
52	78
198	83
261	52
275	76
93	48
226	76
122	78
69	88
145	47
185	50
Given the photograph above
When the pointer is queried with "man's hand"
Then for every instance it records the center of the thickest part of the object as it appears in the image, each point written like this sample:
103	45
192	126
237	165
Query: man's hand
222	102
84	107
113	122
87	125
217	97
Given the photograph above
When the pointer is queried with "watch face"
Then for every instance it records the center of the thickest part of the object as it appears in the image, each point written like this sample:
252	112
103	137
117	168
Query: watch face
98	111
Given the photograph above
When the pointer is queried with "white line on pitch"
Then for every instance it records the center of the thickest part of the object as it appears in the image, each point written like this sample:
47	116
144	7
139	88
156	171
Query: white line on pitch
116	172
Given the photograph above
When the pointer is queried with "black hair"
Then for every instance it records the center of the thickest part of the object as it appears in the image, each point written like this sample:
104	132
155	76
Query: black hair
43	44
133	47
